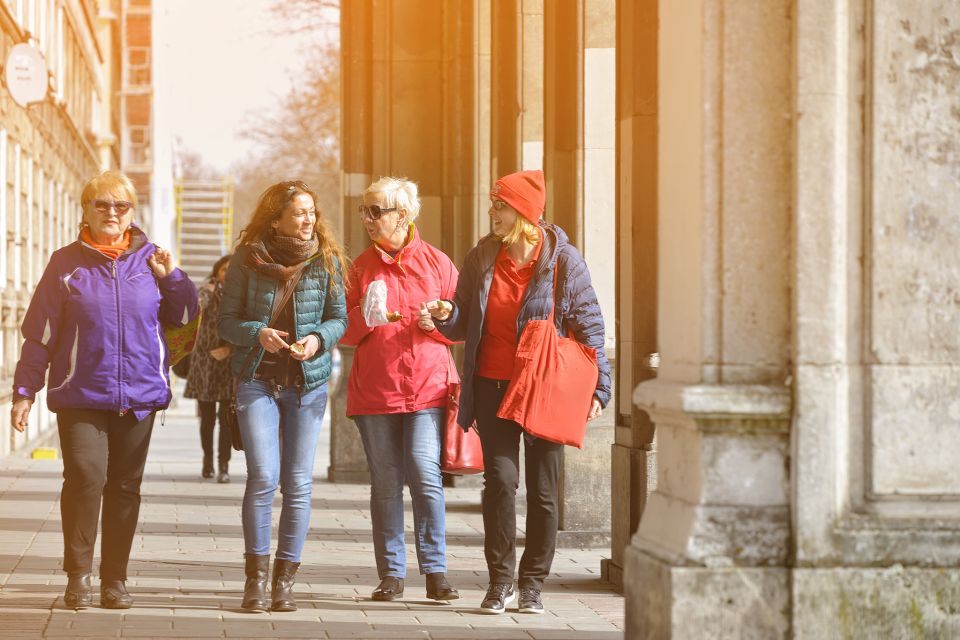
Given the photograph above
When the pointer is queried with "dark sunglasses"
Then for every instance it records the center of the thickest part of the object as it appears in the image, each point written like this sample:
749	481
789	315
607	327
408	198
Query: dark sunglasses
104	206
374	211
294	185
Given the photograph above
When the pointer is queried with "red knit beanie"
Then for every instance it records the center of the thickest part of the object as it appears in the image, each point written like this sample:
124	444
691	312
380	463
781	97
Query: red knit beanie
525	191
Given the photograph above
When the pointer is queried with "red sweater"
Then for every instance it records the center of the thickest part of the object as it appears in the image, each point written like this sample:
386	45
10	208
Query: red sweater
398	367
498	345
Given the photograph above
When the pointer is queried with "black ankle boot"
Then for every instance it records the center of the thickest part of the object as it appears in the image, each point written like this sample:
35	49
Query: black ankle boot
257	569
207	466
283	573
113	595
78	594
439	589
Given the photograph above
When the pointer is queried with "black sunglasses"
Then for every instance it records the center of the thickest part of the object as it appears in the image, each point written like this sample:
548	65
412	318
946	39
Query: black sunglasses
104	206
374	211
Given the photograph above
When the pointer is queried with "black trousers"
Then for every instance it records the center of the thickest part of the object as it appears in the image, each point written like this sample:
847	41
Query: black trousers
103	459
208	420
500	440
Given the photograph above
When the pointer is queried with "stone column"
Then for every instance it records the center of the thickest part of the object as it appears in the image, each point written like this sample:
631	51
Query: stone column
632	455
877	493
579	162
410	108
709	557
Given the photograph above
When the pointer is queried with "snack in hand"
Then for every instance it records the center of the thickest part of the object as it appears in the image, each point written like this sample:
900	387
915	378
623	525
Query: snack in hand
393	316
297	348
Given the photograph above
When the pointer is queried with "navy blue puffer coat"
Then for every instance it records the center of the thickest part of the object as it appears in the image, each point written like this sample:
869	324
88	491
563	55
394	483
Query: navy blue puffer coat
577	306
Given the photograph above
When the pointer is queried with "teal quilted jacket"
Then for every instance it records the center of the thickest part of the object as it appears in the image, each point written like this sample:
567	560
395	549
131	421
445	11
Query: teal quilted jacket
248	302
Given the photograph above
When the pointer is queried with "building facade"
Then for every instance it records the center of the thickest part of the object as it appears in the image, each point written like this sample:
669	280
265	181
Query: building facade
766	194
49	149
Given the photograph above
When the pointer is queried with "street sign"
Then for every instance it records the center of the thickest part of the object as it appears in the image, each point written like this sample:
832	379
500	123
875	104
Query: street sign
25	74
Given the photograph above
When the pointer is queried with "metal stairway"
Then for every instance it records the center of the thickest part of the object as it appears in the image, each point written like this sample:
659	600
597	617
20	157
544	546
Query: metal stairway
204	224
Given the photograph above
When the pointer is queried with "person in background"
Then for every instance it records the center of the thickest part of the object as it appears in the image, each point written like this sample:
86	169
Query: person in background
397	392
210	381
507	280
96	320
283	369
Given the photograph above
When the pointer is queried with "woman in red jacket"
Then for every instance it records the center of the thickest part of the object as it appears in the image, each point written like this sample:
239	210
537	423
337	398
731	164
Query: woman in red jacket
397	392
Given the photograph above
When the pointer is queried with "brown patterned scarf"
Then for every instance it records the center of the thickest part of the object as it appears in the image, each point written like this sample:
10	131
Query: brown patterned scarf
279	257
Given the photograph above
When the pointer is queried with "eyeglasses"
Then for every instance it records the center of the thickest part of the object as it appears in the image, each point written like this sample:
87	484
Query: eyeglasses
374	211
104	206
497	205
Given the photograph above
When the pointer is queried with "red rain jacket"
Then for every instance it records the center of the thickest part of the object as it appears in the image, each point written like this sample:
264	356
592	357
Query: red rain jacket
398	367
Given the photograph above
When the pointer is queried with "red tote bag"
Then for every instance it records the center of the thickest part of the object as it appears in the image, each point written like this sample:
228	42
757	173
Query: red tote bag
554	381
460	454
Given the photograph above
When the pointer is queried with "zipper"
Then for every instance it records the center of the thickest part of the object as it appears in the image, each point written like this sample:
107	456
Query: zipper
116	288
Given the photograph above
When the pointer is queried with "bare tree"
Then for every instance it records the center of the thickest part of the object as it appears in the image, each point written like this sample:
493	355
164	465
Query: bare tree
299	16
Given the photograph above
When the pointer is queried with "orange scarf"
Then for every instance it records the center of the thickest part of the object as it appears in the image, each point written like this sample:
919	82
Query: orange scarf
111	251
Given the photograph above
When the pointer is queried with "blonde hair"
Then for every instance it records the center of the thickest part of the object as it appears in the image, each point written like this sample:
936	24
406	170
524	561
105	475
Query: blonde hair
397	192
522	228
106	182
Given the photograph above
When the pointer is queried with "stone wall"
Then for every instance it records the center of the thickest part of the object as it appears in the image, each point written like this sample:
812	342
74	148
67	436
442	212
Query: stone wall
806	412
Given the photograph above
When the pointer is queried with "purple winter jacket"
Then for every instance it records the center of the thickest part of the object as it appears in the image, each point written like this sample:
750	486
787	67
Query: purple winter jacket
97	323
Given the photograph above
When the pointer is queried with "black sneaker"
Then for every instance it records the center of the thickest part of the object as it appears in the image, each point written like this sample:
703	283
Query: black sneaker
498	597
530	601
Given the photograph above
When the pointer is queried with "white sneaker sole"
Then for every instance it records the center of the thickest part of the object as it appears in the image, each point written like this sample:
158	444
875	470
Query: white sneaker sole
526	610
506	603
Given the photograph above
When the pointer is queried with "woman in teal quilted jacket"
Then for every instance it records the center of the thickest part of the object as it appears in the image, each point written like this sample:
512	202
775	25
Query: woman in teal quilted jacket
283	367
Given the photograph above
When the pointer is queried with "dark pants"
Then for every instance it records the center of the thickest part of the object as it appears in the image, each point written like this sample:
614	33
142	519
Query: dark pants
103	459
500	440
208	420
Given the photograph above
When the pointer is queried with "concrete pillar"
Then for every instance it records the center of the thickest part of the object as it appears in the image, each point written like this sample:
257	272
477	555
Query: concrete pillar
632	458
579	163
709	557
876	489
410	108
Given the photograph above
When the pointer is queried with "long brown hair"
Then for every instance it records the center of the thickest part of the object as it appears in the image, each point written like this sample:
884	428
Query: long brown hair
270	206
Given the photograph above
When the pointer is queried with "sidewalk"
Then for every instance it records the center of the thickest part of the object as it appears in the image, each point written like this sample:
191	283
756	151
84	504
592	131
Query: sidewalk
186	569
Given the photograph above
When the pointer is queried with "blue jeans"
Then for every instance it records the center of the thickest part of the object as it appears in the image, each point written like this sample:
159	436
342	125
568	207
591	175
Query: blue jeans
263	419
405	446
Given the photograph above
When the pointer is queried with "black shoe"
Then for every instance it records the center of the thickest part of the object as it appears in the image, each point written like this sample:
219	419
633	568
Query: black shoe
530	601
498	597
282	591
78	594
439	589
390	588
113	595
207	467
257	570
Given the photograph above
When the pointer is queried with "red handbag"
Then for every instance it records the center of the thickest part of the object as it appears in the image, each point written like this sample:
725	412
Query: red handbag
554	381
461	453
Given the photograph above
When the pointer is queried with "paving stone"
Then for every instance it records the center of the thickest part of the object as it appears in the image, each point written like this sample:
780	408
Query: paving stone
186	568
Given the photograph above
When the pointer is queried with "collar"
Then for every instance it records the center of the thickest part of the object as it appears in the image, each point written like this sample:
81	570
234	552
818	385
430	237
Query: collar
409	247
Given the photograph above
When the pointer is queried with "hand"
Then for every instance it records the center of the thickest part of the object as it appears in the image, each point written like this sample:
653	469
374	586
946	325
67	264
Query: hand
424	319
20	412
221	353
272	340
439	309
595	409
161	262
310	345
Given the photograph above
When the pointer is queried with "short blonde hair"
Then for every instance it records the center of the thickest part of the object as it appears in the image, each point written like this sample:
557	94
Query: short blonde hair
522	228
105	182
397	192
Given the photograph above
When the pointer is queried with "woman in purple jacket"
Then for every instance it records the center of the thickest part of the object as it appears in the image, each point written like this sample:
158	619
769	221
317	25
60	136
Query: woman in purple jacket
96	319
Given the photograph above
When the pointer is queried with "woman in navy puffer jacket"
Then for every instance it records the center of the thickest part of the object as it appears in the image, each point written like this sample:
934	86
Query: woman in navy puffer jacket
96	319
508	280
